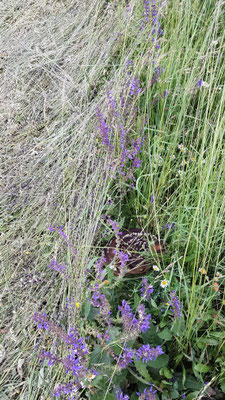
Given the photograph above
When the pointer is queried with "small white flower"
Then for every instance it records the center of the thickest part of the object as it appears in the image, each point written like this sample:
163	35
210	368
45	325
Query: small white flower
205	84
180	147
155	267
173	157
164	283
91	376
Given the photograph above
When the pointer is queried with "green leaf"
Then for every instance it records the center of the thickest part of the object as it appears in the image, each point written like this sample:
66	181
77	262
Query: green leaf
134	396
99	356
165	334
87	308
192	383
209	341
109	397
166	372
136	300
160	362
174	394
222	384
178	327
153	304
192	395
114	332
141	368
151	337
202	368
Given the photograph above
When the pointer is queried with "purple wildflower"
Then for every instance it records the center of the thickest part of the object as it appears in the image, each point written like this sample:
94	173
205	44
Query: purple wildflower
59	229
66	389
148	394
115	226
143	322
128	319
72	338
112	105
137	162
99	300
123	258
52	359
57	267
121	396
175	305
145	353
200	82
99	266
104	129
126	358
146	289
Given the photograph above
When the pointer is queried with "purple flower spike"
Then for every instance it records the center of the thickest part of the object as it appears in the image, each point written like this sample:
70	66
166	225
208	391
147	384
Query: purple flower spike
175	305
121	396
148	394
126	358
145	353
146	289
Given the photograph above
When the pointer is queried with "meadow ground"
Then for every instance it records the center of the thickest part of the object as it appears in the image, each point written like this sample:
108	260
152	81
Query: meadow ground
112	117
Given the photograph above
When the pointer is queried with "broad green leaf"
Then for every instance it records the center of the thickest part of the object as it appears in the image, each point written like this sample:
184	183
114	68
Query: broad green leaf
160	362
166	383
134	396
222	384
87	308
153	304
165	334
209	341
136	300
151	337
192	396
174	394
192	383
141	368
99	356
166	372
178	327
202	368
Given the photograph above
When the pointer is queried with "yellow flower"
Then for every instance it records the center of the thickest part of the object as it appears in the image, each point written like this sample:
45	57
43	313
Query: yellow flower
77	305
69	158
167	304
203	271
155	268
164	283
106	282
219	274
192	159
27	252
185	162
